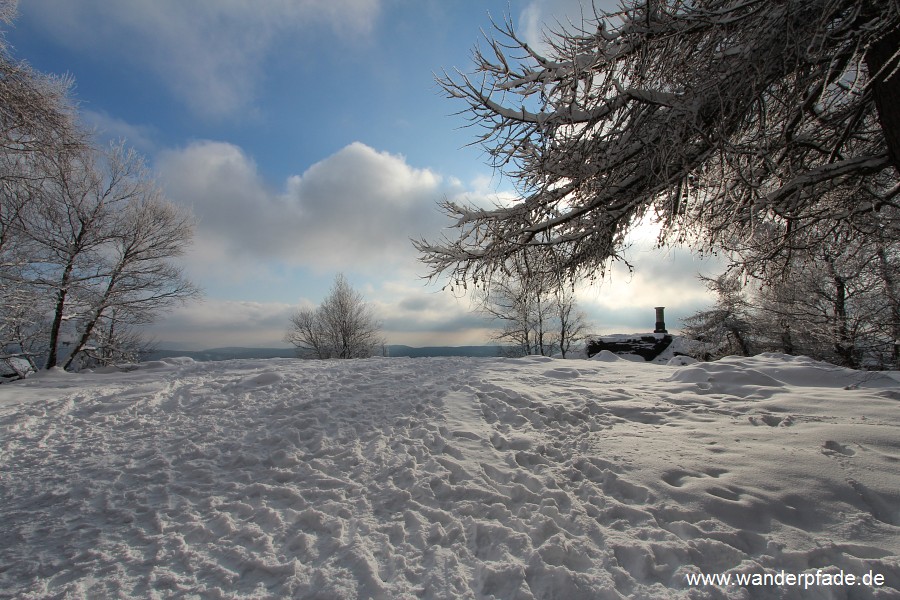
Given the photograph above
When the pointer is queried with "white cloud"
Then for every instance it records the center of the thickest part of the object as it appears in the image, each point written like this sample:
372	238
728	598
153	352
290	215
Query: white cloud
363	206
221	323
104	125
425	316
207	52
355	210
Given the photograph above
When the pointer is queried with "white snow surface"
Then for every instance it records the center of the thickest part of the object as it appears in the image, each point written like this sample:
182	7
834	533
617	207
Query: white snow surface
447	478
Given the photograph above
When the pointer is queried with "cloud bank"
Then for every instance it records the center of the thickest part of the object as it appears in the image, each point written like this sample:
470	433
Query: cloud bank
354	210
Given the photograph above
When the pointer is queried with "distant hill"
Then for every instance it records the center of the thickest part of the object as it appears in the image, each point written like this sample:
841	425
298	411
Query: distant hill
398	350
223	353
393	350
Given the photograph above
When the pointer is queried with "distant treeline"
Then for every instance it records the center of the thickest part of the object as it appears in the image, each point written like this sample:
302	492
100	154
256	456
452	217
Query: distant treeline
392	350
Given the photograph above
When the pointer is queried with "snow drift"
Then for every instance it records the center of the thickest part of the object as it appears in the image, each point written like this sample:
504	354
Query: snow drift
448	478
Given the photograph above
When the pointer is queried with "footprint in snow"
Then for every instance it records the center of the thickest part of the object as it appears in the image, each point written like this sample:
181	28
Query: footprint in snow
831	448
267	378
772	420
679	477
563	373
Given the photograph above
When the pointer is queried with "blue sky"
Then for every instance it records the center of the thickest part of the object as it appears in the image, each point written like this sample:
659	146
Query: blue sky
309	138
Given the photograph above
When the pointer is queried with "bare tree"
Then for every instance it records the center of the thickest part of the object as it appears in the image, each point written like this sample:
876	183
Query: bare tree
86	237
726	328
720	117
36	117
112	342
135	277
22	330
343	326
537	312
571	322
887	256
102	238
67	222
98	237
308	333
520	312
833	302
37	126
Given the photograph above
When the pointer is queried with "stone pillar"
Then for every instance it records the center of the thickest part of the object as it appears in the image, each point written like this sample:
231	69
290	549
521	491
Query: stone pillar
660	320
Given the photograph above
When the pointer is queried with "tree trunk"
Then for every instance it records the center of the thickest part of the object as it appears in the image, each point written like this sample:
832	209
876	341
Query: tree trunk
563	337
53	355
98	313
539	335
741	342
843	345
890	287
787	340
887	90
83	340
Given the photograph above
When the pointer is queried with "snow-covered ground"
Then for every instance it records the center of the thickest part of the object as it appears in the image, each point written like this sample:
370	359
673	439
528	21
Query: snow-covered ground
449	478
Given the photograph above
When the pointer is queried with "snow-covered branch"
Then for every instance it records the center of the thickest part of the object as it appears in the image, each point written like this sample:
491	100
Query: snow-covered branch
718	116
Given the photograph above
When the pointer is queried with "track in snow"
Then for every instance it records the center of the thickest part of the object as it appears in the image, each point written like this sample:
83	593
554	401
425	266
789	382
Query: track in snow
444	478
